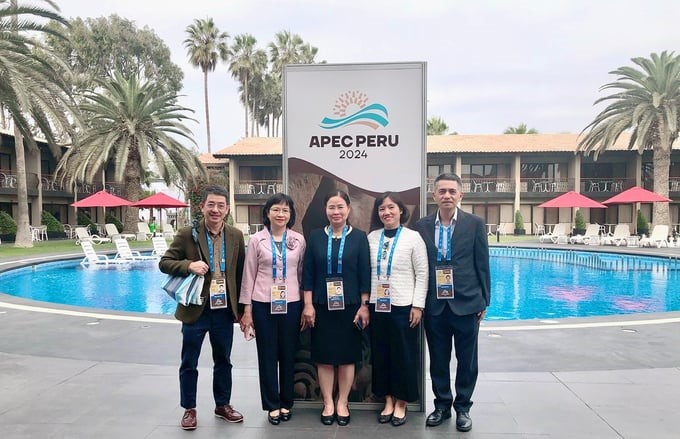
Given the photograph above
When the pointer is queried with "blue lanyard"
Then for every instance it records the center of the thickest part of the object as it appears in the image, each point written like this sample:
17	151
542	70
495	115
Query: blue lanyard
223	260
283	257
380	246
330	249
448	232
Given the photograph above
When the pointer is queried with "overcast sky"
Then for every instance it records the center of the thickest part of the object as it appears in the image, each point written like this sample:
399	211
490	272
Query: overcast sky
491	64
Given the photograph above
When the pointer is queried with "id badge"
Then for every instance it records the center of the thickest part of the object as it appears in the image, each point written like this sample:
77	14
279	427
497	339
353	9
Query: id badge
444	277
335	294
383	301
279	299
218	293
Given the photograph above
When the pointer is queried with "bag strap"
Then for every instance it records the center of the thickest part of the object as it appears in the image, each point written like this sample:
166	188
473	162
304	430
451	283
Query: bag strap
194	235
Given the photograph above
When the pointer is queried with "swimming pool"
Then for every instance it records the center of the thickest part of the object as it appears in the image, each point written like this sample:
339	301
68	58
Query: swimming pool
526	284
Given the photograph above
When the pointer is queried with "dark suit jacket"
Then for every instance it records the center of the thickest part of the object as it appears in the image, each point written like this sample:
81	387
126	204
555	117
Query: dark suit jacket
183	251
470	260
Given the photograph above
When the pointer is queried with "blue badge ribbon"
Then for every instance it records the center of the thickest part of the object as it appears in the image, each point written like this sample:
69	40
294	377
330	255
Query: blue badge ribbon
223	257
330	249
389	260
283	257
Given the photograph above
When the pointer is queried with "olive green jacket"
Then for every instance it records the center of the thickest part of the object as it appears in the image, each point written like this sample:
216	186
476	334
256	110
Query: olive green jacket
184	251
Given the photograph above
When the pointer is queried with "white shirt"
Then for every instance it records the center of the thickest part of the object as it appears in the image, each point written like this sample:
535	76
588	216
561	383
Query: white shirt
410	273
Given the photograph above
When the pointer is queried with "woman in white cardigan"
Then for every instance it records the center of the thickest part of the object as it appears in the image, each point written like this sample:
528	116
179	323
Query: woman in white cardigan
398	288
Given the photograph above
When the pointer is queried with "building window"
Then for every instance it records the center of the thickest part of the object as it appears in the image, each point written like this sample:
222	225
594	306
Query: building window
479	171
544	170
433	171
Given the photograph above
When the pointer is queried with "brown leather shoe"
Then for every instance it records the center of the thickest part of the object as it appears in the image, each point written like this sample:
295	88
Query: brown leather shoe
189	420
228	413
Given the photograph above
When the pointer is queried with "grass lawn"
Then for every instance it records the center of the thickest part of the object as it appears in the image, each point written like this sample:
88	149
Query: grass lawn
59	246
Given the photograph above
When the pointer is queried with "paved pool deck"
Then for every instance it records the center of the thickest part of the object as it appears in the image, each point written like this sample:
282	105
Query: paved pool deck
81	373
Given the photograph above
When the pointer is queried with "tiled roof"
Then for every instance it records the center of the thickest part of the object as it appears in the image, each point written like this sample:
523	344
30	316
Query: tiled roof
493	143
210	159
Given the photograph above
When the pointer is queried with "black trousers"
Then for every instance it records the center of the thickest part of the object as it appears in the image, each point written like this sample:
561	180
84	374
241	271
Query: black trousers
276	336
394	348
464	330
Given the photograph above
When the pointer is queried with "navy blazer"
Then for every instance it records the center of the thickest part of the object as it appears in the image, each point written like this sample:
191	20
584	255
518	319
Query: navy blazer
470	260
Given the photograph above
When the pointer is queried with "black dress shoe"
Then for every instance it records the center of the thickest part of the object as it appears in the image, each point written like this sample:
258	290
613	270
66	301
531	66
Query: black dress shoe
274	420
285	416
327	420
342	420
437	417
463	421
384	419
398	422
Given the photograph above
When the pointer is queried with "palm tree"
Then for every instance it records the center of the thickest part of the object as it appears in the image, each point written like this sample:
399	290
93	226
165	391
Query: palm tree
436	126
32	91
246	62
205	46
131	125
520	129
646	101
286	48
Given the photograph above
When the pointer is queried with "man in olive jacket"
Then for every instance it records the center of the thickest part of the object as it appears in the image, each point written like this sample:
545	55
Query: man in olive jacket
215	250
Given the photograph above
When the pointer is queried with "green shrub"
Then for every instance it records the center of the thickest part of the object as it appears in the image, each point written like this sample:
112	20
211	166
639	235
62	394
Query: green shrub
53	224
642	224
579	222
7	224
519	220
110	219
85	220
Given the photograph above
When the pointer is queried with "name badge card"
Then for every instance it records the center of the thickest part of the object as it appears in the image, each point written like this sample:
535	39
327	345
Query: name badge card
279	300
218	293
444	277
383	302
335	294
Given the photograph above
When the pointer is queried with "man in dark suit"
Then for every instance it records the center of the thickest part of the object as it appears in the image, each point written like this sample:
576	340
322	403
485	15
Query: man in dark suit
457	298
215	250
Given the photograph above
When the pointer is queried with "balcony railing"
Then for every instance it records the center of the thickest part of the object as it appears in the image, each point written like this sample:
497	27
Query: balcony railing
258	187
673	184
8	180
490	185
606	185
538	185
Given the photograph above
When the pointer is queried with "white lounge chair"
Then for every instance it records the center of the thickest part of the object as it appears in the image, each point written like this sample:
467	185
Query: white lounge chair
167	230
160	246
113	233
619	237
591	236
127	254
558	235
92	259
659	237
83	235
143	232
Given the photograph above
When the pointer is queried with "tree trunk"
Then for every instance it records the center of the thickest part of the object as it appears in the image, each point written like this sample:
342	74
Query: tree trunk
245	102
23	238
662	165
133	183
207	111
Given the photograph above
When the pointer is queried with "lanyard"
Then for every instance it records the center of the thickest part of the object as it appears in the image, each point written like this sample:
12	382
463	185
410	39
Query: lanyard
330	249
283	257
223	260
442	231
393	246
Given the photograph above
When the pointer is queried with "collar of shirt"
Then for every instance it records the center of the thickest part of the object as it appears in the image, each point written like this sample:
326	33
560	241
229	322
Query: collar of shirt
437	221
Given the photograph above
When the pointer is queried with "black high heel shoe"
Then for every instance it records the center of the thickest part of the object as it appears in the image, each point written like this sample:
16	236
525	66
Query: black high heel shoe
327	419
342	420
285	416
274	420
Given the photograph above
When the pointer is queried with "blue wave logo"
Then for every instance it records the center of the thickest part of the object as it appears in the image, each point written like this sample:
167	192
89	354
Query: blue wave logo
371	115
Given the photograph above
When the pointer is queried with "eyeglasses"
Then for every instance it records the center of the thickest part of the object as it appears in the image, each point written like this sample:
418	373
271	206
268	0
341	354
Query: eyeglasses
278	210
218	206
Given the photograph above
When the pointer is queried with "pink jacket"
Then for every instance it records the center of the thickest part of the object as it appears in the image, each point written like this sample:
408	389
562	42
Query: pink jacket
257	274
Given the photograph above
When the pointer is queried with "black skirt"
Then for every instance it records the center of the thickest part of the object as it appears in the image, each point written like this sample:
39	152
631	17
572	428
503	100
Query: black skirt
335	338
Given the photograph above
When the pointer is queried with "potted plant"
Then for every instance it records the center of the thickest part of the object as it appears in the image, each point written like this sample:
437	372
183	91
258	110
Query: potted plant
519	223
642	224
579	224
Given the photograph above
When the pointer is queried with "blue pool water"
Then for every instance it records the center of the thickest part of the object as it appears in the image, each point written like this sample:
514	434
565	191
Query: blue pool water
557	286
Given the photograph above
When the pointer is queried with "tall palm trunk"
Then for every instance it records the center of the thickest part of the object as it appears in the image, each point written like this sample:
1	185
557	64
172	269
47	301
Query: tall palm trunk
207	111
23	238
662	165
245	101
132	183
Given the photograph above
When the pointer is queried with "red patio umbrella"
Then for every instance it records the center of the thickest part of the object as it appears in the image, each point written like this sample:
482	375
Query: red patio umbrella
572	199
102	199
160	201
636	194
